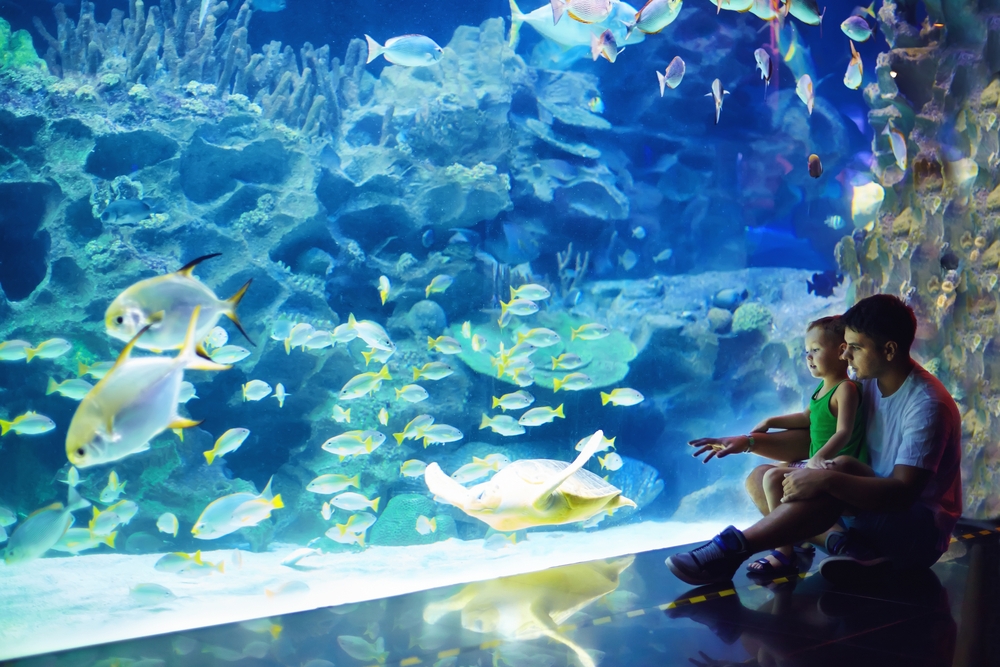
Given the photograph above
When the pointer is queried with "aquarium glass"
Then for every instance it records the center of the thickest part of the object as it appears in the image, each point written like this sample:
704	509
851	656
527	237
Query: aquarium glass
310	303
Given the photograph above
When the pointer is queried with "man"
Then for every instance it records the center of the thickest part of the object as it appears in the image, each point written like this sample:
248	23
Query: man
898	512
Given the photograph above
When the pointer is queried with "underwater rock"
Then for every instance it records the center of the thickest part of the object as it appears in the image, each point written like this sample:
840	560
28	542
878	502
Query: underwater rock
16	49
397	525
126	152
426	318
752	317
458	196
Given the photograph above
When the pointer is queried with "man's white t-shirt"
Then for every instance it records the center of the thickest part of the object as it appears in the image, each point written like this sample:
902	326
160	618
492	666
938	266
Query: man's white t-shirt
920	426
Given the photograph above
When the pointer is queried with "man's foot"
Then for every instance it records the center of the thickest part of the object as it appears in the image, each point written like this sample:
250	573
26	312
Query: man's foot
851	561
711	563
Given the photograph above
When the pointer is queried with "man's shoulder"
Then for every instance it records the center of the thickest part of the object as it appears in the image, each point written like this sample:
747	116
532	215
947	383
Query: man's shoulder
928	393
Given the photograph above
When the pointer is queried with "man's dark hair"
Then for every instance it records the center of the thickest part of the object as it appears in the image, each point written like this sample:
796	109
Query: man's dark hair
883	317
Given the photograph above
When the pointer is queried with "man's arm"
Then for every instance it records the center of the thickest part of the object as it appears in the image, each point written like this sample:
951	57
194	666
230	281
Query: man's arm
871	494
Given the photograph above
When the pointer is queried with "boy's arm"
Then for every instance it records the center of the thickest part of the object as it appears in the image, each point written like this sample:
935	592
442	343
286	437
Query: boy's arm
794	420
790	445
846	398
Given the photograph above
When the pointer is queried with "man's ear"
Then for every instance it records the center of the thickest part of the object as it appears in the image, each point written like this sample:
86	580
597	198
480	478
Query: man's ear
891	350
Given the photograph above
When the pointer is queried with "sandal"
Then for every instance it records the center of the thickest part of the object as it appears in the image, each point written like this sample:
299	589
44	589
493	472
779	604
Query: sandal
804	549
763	567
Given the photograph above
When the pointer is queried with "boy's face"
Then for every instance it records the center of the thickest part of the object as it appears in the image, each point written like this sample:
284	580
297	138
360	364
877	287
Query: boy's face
863	355
823	353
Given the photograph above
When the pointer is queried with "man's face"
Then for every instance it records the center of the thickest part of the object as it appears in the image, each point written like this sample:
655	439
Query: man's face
862	355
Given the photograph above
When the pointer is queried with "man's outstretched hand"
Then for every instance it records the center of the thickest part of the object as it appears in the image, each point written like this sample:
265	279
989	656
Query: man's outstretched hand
720	447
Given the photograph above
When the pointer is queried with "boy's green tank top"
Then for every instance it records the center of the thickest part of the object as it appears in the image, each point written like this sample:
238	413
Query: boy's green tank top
822	425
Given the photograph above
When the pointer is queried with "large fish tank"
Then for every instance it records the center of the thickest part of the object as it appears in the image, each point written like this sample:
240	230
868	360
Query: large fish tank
135	138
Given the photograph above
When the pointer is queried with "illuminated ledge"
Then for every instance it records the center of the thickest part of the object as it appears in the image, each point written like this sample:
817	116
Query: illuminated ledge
55	604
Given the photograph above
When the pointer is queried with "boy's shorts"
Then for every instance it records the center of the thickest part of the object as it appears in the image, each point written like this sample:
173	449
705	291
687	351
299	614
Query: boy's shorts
910	539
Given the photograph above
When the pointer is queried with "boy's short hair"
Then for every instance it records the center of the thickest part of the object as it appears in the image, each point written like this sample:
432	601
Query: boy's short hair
833	326
883	317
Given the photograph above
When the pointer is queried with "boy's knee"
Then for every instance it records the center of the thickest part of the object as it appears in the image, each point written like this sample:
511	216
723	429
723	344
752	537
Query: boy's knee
755	480
774	476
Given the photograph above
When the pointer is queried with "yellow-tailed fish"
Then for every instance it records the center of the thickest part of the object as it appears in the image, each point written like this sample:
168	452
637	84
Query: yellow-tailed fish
149	594
255	390
229	354
216	338
444	345
381	356
412	393
531	292
438	284
50	349
357	523
515	401
167	523
281	394
855	70
611	462
383	288
319	340
228	442
42	529
672	76
572	382
364	383
96	371
346	538
293	559
467	330
353	501
499	541
372	333
426	526
621	396
518	306
435	370
478	343
654	16
383	417
406	51
605	443
470	472
30	423
133	403
341	416
326	512
804	89
503	424
538	338
237	510
539	416
77	540
439	434
717	94
14	350
298	336
412	468
898	143
328	484
113	489
414	429
592	331
162	307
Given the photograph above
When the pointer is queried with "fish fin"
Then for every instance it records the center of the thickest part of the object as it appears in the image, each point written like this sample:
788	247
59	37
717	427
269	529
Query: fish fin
276	503
496	402
30	352
82	369
374	49
375	504
430	343
556	383
384	373
663	81
53	506
266	494
189	357
592	447
516	19
182	422
605	398
110	539
559	411
127	350
189	267
486	420
397	436
197	557
5	426
210	456
230	310
355	481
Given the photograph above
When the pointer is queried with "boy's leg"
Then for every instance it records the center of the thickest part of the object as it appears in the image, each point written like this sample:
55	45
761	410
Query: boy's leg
773	490
755	487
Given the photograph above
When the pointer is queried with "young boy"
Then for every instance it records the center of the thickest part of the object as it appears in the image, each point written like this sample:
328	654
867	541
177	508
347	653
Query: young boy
834	420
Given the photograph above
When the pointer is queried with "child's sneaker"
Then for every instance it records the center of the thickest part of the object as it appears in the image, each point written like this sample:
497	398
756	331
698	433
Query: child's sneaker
851	561
711	563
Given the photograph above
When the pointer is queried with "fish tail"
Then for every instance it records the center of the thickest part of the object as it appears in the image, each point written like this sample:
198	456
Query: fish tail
4	427
516	19
355	481
189	356
384	373
663	81
398	437
342	527
559	411
558	9
556	384
74	502
210	456
30	352
496	402
52	388
374	504
266	493
605	398
276	503
361	542
82	369
368	356
398	392
110	539
230	309
416	373
430	343
486	420
575	333
374	49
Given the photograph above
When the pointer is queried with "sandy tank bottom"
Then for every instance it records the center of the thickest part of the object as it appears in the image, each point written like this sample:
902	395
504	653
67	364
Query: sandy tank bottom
54	604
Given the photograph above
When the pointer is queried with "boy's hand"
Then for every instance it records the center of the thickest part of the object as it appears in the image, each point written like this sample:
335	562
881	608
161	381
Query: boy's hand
760	428
720	447
818	463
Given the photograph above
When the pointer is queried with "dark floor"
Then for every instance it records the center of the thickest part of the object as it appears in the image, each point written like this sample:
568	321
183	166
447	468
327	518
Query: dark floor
627	611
